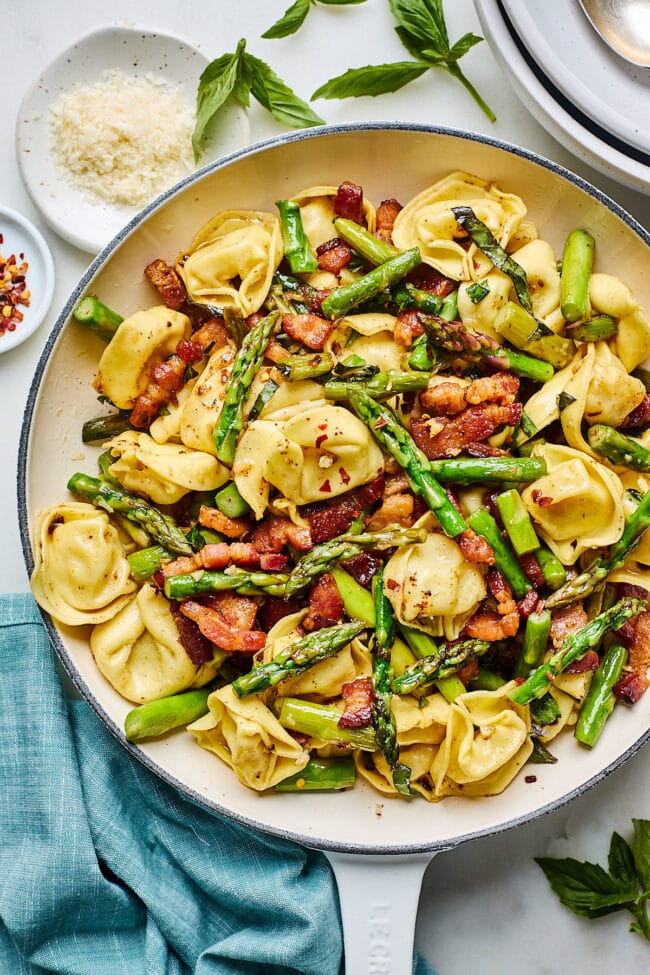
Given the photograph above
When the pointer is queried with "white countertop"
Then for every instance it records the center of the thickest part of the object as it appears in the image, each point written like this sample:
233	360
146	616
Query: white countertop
485	907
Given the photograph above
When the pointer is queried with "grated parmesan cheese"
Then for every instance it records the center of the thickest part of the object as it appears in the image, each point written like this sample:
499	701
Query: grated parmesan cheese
124	139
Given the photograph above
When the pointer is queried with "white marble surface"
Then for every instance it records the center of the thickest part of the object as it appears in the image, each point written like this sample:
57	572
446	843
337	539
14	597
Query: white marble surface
485	907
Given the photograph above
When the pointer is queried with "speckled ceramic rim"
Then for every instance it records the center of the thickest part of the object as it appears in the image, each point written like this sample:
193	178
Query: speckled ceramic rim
321	843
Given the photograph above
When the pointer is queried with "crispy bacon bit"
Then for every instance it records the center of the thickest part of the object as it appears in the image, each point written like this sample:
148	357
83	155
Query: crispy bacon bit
167	283
325	604
429	279
528	604
312	330
487	624
219	555
348	202
165	379
357	696
345	477
472	425
448	399
485	450
386	214
273	561
396	509
328	519
468	671
629	688
218	522
362	567
197	646
566	621
275	608
475	548
179	567
530	565
275	352
333	255
407	328
499	588
640	415
321	439
589	662
214	625
635	635
272	534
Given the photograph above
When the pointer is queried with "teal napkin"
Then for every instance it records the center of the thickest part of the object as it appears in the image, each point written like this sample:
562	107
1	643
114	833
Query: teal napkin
105	869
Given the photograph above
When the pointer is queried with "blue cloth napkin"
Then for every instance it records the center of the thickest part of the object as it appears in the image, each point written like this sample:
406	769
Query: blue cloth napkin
105	869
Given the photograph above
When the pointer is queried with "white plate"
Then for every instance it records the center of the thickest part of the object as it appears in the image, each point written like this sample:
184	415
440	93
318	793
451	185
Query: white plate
611	92
21	238
538	95
136	51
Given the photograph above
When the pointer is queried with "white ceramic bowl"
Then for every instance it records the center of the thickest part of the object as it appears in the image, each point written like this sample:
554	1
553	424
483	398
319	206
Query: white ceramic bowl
20	237
136	52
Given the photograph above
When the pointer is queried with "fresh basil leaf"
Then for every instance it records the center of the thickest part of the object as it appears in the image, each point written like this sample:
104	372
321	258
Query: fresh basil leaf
585	888
216	83
462	46
477	292
422	24
485	240
642	923
371	80
545	710
274	95
243	82
621	861
341	3
641	851
290	21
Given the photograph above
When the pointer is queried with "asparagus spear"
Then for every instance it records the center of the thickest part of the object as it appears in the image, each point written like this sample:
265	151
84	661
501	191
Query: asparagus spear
230	502
322	721
321	775
600	700
448	660
156	718
483	524
348	296
392	436
97	317
449	310
485	240
296	367
371	248
596	329
424	645
161	527
533	647
487	470
204	581
552	569
298	657
296	246
383	385
516	522
104	427
247	361
486	680
407	296
574	648
577	262
322	557
593	577
422	357
145	561
523	331
617	448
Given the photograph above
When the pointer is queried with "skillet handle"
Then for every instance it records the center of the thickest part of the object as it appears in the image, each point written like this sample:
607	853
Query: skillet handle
379	901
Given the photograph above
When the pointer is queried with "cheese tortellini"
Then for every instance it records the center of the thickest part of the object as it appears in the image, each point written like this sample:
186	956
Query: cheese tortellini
307	452
81	574
317	213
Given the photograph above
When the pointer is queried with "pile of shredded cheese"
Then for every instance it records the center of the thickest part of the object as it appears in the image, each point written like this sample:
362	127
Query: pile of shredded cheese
124	139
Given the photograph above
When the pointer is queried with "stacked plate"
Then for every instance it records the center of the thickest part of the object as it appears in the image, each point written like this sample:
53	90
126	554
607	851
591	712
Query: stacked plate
589	99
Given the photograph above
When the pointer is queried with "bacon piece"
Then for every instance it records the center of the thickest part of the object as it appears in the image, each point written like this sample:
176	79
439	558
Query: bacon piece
197	646
640	415
474	424
530	565
273	561
325	604
468	671
357	696
528	604
485	450
427	278
168	283
348	202
386	214
444	399
239	611
219	555
218	522
312	330
448	398
487	624
396	509
362	567
499	588
589	662
566	621
333	255
179	567
165	379
272	534
275	352
213	624
635	635
475	548
629	687
407	328
275	608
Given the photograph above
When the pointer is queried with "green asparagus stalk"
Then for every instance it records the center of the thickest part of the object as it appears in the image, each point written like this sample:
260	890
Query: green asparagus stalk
145	561
371	248
230	502
487	470
483	524
156	718
322	557
235	325
449	310
407	298
321	775
392	436
486	242
247	362
205	581
97	317
617	448
593	577
596	329
424	645
577	262
516	522
298	657
161	527
552	569
105	427
486	680
533	647
599	702
297	250
422	358
449	659
574	648
341	300
523	331
262	399
321	721
545	710
297	367
383	385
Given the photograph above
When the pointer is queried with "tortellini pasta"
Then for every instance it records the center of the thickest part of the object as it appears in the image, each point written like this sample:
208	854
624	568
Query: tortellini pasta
577	505
141	340
317	213
432	587
81	574
427	222
232	259
610	296
249	738
306	452
139	651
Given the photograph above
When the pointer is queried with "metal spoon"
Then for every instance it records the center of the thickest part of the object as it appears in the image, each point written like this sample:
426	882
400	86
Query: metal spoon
624	25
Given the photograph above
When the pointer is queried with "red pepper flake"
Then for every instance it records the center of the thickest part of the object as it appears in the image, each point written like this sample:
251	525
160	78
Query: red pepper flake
322	426
326	487
392	584
13	291
319	440
345	477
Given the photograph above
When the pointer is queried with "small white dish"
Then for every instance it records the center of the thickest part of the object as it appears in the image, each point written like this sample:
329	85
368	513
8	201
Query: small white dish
20	237
136	52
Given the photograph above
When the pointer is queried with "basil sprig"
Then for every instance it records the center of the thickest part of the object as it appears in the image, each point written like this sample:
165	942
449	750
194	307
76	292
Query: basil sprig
241	75
591	891
422	30
294	17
